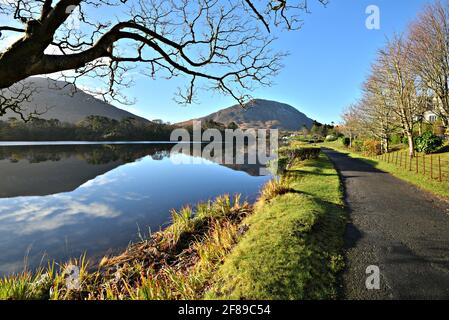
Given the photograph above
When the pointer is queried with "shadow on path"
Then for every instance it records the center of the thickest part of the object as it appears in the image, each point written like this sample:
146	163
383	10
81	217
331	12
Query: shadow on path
397	227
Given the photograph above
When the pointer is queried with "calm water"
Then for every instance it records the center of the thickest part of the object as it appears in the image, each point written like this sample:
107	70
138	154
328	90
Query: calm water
59	201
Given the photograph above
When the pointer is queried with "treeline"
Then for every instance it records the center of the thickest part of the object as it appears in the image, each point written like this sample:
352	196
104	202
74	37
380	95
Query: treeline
408	84
211	124
92	154
92	128
319	132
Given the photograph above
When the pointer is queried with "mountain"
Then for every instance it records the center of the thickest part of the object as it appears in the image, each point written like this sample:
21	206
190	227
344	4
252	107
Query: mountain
260	114
61	101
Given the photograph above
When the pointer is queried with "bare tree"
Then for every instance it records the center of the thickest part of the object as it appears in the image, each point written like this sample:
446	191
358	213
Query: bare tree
399	81
217	45
429	37
352	124
408	76
377	111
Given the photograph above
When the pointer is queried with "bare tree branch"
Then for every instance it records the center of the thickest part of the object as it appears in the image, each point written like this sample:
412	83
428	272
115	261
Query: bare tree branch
211	42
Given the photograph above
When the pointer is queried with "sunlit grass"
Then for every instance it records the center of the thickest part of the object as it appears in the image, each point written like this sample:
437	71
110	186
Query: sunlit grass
292	249
274	188
422	181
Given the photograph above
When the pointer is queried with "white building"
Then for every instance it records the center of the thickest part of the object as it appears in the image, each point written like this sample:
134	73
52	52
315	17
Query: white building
430	116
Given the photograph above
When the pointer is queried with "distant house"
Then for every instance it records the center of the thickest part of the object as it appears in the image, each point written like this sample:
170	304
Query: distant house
158	121
430	116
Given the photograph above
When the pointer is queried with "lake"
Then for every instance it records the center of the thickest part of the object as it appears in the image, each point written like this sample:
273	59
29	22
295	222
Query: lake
58	201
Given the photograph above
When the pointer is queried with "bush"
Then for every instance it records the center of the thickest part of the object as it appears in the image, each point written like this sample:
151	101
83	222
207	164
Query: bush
405	140
345	141
286	156
280	165
357	145
438	128
428	143
396	139
331	138
371	147
300	153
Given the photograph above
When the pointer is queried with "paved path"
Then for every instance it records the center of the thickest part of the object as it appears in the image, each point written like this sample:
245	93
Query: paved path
397	227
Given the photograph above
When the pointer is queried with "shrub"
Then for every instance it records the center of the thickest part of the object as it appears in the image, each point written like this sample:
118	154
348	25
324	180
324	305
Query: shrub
405	140
371	147
331	138
438	128
345	141
428	143
396	139
300	153
280	165
357	145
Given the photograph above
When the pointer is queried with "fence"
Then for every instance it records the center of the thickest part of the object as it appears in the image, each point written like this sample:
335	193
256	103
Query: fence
433	166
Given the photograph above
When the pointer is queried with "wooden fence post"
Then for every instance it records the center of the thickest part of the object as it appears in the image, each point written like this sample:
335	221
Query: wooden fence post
424	164
417	165
431	166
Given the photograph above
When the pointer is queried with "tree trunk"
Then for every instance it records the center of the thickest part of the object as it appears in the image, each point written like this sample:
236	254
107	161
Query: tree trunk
382	145
411	145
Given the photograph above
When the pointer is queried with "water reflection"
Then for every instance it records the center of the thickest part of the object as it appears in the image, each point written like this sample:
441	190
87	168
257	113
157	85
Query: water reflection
60	201
44	170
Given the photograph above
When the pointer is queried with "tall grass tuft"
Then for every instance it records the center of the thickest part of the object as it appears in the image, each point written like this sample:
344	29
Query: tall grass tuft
28	286
274	188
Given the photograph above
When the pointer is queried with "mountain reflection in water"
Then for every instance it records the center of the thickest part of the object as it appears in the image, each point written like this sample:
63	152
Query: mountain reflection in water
59	201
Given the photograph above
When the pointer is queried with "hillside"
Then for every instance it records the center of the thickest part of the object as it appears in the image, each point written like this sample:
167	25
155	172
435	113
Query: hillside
66	104
260	114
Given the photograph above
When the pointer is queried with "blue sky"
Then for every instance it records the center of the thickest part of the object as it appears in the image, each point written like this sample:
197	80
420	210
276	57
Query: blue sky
329	59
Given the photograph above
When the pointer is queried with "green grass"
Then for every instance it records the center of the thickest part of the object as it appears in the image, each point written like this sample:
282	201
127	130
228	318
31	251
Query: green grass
293	247
424	182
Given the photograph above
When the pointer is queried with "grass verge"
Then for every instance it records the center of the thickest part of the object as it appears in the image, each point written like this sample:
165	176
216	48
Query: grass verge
440	189
292	249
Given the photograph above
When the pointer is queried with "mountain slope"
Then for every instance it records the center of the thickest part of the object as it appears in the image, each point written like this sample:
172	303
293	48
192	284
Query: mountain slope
260	114
66	104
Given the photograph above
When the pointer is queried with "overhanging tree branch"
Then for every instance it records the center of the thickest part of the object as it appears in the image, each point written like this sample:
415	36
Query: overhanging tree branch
204	40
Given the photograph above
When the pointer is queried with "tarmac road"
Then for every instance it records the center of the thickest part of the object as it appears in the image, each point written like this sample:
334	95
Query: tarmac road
397	227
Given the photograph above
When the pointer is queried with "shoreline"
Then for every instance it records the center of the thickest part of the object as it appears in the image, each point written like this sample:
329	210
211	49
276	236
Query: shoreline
74	142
